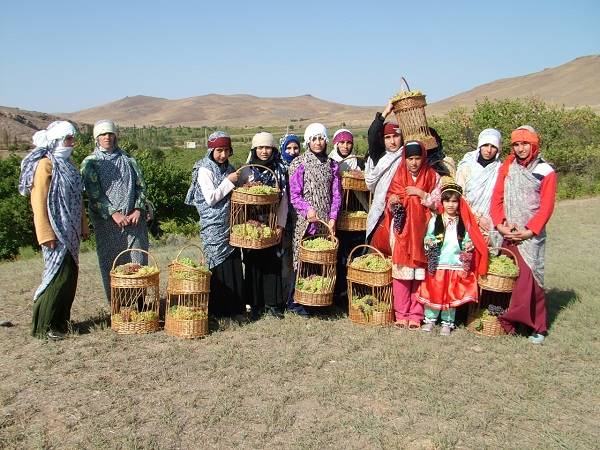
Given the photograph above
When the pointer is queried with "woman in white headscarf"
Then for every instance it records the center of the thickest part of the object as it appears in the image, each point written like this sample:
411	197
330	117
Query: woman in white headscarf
49	176
476	174
117	201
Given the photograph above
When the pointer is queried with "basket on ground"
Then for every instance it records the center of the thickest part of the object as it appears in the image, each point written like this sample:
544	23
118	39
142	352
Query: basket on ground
369	281
482	323
134	295
188	289
409	109
497	282
316	274
253	215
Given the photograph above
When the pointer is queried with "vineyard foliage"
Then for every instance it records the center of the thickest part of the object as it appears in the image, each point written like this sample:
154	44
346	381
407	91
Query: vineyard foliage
570	141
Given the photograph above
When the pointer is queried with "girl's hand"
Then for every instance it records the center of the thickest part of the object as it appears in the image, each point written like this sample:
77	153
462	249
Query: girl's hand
233	177
120	219
412	190
393	200
522	235
388	109
50	244
331	224
311	215
504	229
134	217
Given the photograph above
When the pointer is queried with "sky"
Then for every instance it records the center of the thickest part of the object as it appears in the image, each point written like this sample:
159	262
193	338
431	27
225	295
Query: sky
64	56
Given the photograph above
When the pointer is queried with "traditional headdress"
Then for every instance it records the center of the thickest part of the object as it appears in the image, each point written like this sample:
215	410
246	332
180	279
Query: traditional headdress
314	129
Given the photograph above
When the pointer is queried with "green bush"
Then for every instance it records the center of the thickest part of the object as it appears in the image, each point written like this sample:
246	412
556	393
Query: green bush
189	228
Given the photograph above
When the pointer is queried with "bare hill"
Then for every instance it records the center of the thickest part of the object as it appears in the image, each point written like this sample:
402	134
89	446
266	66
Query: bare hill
229	110
576	83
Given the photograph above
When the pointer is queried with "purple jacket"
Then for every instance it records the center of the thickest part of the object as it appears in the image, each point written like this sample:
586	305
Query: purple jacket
302	206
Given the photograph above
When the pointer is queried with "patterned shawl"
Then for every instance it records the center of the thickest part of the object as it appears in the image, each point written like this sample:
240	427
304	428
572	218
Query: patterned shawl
317	191
64	209
214	220
521	203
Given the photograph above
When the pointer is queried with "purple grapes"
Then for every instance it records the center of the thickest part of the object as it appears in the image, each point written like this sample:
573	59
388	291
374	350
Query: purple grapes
432	251
399	217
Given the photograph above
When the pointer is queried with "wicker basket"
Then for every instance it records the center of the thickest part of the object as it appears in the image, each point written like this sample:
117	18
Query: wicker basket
196	281
128	293
353	180
499	283
186	328
484	326
319	256
314	298
410	114
256	199
368	277
262	208
347	223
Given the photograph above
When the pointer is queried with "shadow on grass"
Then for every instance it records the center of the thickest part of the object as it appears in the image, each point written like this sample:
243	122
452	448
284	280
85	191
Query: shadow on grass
100	322
557	300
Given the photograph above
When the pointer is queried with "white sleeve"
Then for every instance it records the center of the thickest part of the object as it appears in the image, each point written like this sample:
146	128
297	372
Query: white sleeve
213	194
282	210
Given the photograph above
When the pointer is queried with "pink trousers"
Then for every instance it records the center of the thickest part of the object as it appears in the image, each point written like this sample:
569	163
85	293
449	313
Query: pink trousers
406	306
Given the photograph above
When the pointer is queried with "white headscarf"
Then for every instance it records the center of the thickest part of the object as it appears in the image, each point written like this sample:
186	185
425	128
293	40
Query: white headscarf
490	136
314	129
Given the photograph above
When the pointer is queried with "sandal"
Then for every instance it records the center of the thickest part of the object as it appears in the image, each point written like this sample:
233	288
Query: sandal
414	325
401	323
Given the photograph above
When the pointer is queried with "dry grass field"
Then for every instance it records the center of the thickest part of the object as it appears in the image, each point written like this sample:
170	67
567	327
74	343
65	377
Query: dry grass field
316	383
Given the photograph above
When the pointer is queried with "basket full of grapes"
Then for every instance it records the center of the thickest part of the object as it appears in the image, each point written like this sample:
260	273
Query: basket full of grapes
485	321
254	234
319	248
370	269
256	193
502	273
188	275
134	295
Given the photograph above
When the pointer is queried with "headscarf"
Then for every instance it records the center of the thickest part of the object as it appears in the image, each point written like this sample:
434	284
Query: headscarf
391	128
314	129
524	133
283	143
64	204
489	136
408	248
345	164
480	260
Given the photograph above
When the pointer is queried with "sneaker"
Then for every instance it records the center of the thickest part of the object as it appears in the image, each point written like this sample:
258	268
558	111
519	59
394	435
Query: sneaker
55	335
445	330
427	327
537	338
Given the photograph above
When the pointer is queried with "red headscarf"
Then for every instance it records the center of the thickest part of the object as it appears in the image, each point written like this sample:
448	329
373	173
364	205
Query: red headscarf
391	128
522	134
408	249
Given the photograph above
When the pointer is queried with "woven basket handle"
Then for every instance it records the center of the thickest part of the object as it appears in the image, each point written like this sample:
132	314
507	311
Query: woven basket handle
202	260
264	167
502	249
364	245
403	80
356	157
333	236
134	250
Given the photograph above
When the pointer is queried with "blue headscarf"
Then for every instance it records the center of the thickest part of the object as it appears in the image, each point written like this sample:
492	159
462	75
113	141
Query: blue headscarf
283	143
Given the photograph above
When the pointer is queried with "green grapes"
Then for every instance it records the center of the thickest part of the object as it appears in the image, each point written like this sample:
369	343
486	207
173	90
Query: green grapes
134	270
189	262
502	265
315	284
131	315
355	214
187	313
258	190
372	263
367	304
318	244
405	94
252	230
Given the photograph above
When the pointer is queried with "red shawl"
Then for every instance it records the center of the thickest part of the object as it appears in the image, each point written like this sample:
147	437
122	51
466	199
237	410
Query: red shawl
481	253
408	249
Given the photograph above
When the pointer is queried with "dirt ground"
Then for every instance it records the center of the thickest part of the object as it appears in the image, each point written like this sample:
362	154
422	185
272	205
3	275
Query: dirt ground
316	383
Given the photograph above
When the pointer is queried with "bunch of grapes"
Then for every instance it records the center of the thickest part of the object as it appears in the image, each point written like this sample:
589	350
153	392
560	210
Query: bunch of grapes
466	258
495	310
373	263
502	265
257	189
399	217
433	251
187	313
318	244
405	94
357	214
314	284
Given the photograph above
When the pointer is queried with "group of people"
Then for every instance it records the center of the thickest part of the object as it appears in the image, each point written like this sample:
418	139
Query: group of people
435	221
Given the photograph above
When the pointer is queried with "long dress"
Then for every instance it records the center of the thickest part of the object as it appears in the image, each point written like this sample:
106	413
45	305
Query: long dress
525	196
56	197
262	267
210	193
114	183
